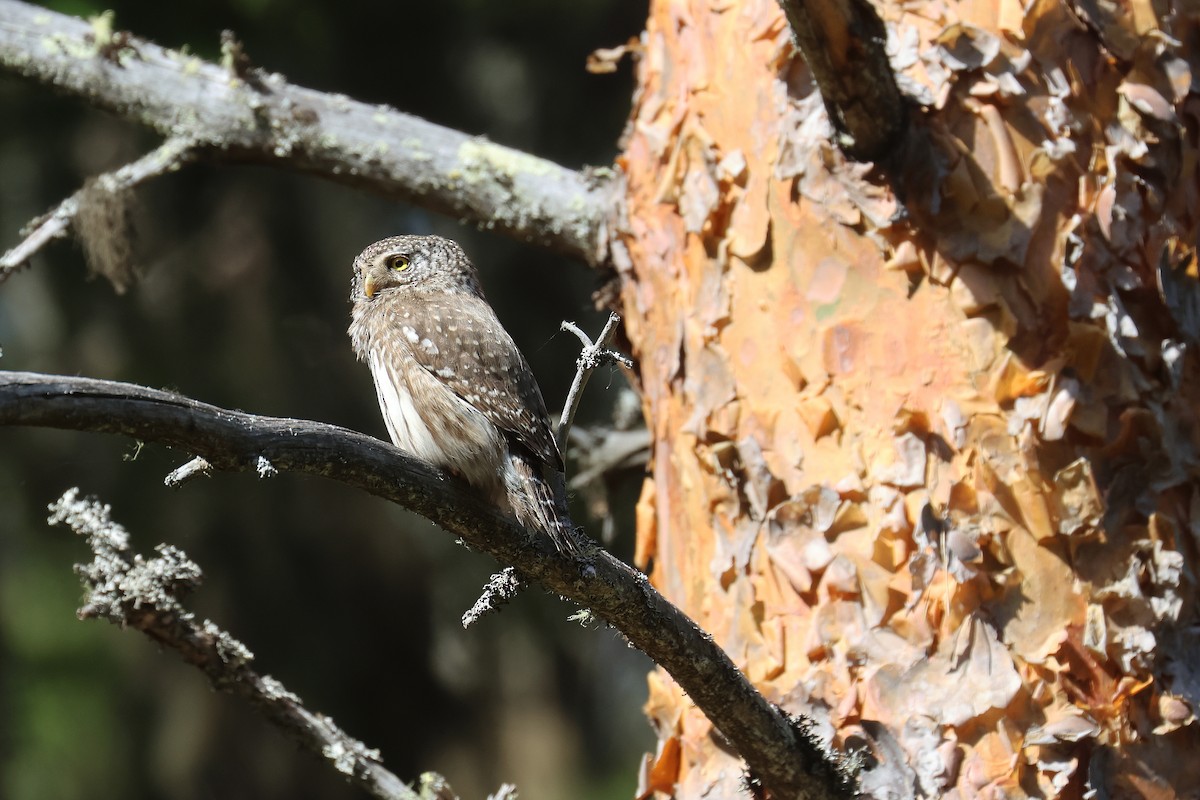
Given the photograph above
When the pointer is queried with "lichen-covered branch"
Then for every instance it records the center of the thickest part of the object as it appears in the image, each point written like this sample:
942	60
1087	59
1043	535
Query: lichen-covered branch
242	114
145	593
500	589
104	191
844	43
781	754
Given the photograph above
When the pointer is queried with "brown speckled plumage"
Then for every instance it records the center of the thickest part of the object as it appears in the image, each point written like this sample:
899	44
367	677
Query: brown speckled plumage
453	387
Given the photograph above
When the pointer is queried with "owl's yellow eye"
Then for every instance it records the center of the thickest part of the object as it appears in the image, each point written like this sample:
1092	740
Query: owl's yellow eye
398	263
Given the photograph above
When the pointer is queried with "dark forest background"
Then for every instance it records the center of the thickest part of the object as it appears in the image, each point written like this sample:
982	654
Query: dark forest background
347	600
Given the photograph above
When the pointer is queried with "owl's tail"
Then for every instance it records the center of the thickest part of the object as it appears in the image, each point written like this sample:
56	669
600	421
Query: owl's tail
536	505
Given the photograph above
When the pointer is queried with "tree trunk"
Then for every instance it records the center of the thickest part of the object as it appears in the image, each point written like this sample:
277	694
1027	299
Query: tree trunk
926	476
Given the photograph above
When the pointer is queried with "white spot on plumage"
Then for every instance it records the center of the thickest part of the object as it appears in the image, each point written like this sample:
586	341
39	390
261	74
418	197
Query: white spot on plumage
410	333
429	347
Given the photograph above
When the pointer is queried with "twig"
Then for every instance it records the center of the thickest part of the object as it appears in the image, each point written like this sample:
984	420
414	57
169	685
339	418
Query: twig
788	760
608	450
498	592
592	356
167	157
192	469
598	455
144	594
269	120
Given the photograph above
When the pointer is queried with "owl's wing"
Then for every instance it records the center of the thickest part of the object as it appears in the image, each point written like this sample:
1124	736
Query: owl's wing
459	340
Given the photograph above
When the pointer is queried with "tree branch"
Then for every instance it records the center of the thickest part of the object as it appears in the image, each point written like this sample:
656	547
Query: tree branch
167	157
144	594
240	114
780	753
843	42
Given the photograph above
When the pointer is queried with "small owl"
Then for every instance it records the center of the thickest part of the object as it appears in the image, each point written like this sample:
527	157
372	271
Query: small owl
452	386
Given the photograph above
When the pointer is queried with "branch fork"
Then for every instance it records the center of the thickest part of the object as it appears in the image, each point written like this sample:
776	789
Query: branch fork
594	355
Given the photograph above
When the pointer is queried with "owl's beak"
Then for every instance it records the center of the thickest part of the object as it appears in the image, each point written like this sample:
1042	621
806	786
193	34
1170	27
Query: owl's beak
370	287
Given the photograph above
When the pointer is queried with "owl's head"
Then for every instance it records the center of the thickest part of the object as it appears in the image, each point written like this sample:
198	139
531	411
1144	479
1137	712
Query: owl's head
430	263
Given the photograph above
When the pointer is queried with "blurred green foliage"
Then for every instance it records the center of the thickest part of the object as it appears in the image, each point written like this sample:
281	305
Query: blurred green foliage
349	601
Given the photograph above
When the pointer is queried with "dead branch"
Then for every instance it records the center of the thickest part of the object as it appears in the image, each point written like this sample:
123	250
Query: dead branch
592	356
132	591
499	591
783	755
237	113
167	157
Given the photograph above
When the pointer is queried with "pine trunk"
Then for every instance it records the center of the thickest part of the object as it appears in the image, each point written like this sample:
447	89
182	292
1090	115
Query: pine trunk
926	467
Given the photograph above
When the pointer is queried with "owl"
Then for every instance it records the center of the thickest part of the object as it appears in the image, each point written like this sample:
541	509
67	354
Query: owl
454	389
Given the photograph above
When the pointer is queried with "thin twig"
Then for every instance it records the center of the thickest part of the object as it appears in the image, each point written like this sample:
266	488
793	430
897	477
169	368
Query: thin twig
167	157
786	757
499	591
592	356
132	591
607	450
192	469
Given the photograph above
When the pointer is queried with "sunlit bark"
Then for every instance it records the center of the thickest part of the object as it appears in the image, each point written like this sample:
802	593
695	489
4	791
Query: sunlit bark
926	467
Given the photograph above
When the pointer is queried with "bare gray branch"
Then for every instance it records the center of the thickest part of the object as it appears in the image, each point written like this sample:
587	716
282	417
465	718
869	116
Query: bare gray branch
167	157
242	114
132	591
